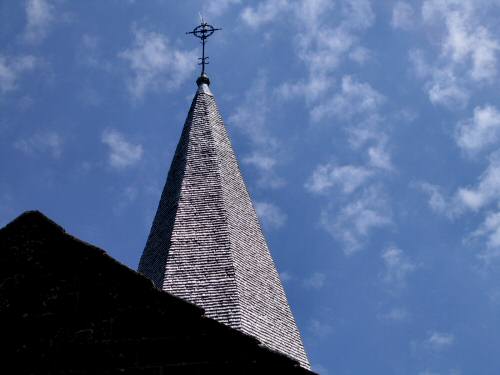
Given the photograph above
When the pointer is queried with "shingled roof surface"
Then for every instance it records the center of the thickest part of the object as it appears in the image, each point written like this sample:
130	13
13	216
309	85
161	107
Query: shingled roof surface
206	244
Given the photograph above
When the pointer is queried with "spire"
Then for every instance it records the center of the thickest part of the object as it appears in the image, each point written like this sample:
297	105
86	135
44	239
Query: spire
206	244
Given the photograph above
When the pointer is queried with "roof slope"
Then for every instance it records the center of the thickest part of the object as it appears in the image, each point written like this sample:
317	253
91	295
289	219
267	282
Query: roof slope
66	307
206	244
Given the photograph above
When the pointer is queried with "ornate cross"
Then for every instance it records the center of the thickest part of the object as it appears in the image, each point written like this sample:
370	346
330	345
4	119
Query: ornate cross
203	31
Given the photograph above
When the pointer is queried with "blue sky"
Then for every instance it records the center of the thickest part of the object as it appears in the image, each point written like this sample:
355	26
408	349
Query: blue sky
368	133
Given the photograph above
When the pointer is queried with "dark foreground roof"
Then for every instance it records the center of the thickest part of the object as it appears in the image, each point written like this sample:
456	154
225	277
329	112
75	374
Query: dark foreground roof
66	307
206	244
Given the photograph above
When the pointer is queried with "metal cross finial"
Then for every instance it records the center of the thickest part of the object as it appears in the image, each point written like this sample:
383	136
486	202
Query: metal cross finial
203	31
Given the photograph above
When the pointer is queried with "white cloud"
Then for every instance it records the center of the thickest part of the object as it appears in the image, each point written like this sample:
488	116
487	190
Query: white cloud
11	69
441	83
466	39
397	267
420	66
40	15
286	276
367	130
467	52
397	314
482	196
472	198
265	12
444	89
49	142
124	199
250	117
380	157
490	230
315	281
358	14
360	54
323	45
487	189
326	34
481	131
438	341
271	216
90	54
319	328
437	201
403	16
354	98
215	8
347	177
354	222
122	154
261	161
156	64
311	90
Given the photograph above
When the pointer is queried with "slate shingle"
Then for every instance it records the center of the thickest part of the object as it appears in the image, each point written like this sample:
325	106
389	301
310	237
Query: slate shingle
206	244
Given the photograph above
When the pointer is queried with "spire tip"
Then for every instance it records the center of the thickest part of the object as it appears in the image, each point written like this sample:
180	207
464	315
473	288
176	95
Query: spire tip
203	79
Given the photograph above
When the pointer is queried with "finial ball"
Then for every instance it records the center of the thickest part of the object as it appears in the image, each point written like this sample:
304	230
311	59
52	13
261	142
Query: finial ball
203	79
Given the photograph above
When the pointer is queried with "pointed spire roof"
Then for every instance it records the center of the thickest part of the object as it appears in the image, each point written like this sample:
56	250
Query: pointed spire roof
206	244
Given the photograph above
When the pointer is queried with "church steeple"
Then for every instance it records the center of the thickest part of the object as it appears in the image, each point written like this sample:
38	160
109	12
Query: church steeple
206	244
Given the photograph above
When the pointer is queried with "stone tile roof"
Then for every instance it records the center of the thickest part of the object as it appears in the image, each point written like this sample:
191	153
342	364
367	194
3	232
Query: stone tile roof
206	244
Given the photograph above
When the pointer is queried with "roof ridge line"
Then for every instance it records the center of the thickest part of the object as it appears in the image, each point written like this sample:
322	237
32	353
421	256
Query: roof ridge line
226	215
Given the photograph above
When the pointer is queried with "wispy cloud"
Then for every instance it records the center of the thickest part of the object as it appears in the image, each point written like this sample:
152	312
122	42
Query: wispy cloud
156	64
379	156
438	202
90	53
250	117
347	177
40	16
353	223
467	53
326	36
124	198
466	39
271	216
397	268
442	84
122	153
353	99
480	132
315	281
435	343
403	16
216	8
11	69
319	328
397	314
439	341
264	12
48	142
490	231
468	198
486	190
482	198
286	276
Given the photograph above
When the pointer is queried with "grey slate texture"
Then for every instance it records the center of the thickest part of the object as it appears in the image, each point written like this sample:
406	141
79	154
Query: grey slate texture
206	244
